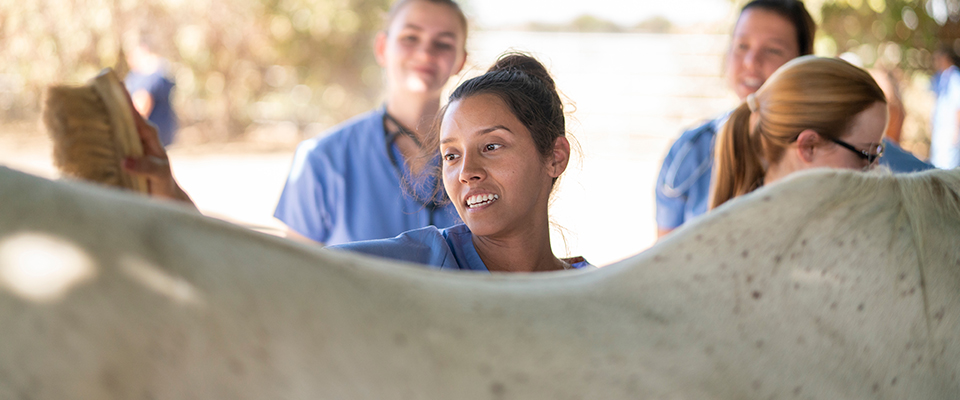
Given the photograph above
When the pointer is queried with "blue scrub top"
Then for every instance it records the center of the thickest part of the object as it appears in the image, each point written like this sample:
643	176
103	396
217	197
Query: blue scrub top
343	187
159	87
944	135
683	185
443	249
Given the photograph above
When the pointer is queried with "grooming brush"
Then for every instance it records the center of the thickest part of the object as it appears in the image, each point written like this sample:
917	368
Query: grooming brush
93	130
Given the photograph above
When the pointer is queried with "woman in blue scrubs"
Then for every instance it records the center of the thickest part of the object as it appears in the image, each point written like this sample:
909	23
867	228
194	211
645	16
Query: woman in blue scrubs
355	182
503	145
767	34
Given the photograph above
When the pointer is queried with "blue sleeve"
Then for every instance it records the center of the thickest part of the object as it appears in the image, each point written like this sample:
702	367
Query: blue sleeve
425	246
669	207
684	180
900	160
308	199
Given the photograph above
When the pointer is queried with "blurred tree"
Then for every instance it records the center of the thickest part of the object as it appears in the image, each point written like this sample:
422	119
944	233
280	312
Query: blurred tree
656	24
235	61
892	34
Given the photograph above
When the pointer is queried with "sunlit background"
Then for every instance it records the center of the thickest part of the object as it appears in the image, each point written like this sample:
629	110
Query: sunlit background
254	77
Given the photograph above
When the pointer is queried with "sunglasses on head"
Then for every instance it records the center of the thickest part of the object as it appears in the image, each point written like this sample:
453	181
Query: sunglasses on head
871	154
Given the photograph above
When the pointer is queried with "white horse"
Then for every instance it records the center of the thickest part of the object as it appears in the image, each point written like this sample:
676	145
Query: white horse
829	285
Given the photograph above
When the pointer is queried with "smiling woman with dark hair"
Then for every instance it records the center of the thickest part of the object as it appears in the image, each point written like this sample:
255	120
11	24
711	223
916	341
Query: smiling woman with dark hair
503	145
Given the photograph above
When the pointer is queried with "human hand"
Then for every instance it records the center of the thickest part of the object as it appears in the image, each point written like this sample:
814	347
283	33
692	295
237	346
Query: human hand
154	166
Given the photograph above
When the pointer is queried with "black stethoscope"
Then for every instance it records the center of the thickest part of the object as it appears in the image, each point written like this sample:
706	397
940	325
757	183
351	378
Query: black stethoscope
432	204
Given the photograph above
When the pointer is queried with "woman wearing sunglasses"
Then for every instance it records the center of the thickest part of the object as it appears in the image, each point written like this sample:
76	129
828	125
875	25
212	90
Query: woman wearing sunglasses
813	112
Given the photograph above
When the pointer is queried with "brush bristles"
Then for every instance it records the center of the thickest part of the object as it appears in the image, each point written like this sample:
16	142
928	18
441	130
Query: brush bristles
84	144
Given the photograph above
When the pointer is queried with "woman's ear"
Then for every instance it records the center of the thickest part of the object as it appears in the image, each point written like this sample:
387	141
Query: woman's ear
380	48
561	157
807	143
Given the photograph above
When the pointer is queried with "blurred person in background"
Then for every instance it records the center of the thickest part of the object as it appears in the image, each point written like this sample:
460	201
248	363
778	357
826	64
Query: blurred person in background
359	181
767	34
945	126
149	83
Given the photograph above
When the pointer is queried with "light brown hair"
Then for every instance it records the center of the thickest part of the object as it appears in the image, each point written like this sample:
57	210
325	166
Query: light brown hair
400	4
822	94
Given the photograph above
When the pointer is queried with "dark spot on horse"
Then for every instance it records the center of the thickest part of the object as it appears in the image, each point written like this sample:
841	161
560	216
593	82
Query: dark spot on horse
766	198
658	258
760	344
260	353
860	307
823	273
912	290
689	256
777	259
485	369
939	315
709	350
745	253
893	382
699	237
833	306
801	340
236	367
903	276
521	378
803	242
756	384
736	309
796	391
853	242
400	339
723	266
839	243
498	389
756	294
698	278
876	387
110	380
749	278
796	286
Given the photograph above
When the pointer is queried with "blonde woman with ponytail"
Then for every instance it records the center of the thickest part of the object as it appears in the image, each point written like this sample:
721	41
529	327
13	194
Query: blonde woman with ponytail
813	112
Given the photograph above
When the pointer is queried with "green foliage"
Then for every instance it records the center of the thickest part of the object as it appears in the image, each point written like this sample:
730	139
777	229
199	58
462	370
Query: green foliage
235	61
884	33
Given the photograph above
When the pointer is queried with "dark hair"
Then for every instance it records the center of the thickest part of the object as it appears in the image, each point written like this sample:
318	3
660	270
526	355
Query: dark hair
795	12
400	4
524	84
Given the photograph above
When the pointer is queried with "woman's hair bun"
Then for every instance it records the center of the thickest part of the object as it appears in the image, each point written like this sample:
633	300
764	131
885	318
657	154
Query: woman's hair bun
523	63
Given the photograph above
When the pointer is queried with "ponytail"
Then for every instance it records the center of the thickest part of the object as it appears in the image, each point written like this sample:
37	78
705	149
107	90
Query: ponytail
738	169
